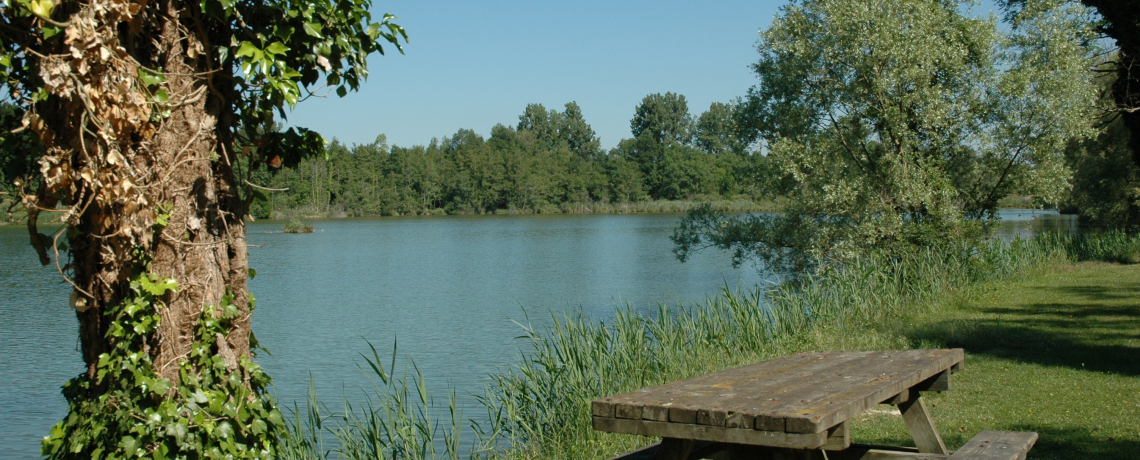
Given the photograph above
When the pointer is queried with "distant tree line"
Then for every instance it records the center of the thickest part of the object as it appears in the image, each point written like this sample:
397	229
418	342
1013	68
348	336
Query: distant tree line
550	161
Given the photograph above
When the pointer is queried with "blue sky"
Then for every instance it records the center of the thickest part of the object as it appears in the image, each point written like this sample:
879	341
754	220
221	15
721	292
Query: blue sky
474	64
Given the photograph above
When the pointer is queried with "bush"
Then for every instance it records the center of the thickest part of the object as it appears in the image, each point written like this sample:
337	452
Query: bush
296	226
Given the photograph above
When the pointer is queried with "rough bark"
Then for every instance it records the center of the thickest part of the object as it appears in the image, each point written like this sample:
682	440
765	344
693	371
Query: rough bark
1122	23
116	162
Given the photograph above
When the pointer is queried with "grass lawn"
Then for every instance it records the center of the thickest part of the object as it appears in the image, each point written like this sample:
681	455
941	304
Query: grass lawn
1058	354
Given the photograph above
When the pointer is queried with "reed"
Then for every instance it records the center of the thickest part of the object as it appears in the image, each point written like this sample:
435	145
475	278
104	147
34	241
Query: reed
399	418
1106	246
539	407
544	400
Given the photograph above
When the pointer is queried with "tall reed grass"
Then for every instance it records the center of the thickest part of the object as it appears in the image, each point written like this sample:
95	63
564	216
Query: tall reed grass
398	419
539	407
1107	246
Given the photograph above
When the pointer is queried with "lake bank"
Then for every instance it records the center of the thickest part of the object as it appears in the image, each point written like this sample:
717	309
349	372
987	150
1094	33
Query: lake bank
1051	347
737	204
1057	353
449	288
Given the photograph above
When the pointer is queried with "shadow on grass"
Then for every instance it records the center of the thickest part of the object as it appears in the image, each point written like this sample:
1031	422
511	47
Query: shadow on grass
1085	327
1077	444
1051	443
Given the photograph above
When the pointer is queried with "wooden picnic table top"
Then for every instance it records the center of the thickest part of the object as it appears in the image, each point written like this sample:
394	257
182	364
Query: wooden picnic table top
791	401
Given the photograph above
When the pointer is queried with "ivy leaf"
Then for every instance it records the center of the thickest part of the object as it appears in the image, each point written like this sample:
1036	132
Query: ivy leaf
283	32
276	48
51	31
247	49
312	29
275	417
129	445
41	8
160	386
225	430
150	79
161	96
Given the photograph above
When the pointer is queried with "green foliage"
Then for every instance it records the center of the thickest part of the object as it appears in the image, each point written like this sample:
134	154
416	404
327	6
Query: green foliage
18	154
219	408
901	124
1106	182
543	402
295	225
550	162
664	118
1106	179
1108	246
716	129
274	53
539	408
397	419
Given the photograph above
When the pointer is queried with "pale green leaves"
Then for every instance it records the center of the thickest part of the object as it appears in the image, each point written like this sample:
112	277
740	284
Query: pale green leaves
267	65
897	122
41	8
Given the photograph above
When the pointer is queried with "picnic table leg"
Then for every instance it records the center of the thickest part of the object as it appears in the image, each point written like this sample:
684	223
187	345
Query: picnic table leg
921	426
673	449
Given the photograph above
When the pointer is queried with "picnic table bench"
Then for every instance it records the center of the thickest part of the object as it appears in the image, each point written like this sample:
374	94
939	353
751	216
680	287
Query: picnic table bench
798	407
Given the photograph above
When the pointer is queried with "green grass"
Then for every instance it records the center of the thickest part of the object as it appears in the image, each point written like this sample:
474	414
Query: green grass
1051	347
543	402
1058	354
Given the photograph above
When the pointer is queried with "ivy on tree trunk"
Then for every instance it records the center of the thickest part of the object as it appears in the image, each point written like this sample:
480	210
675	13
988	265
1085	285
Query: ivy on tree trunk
142	108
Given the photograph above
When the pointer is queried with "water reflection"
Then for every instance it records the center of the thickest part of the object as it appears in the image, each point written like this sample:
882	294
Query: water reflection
449	287
1025	223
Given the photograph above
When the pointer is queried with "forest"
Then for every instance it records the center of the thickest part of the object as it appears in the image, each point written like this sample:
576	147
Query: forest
549	162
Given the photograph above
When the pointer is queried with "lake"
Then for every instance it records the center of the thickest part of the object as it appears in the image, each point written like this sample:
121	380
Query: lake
450	290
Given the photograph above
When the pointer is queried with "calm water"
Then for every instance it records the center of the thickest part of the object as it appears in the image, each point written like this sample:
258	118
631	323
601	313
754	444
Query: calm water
448	289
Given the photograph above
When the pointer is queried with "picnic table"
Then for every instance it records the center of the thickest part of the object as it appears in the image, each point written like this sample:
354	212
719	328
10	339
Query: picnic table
798	406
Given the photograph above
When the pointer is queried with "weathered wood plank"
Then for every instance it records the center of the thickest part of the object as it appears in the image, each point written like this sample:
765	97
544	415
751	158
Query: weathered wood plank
792	389
869	452
711	433
900	398
602	408
804	393
686	413
711	417
939	382
997	445
741	392
630	411
897	371
721	392
740	420
921	427
838	437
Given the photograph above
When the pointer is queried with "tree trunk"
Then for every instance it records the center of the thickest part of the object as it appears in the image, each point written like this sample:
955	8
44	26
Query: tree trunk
137	165
115	165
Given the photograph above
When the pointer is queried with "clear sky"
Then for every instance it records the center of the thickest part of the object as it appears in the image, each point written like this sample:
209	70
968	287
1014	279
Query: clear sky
475	64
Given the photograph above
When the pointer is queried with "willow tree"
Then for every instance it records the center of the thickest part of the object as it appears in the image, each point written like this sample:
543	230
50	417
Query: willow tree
899	124
143	108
